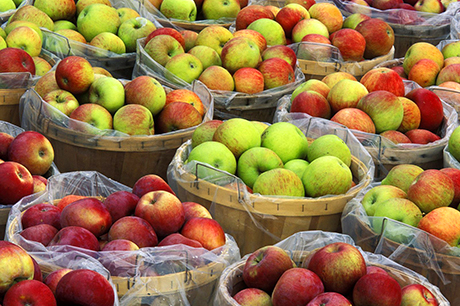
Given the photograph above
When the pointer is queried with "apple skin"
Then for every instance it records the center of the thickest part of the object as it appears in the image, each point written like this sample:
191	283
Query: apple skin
383	79
258	38
443	222
308	26
93	114
16	182
254	296
400	209
251	13
183	10
271	30
61	10
216	9
62	100
232	50
134	229
333	78
276	72
161	48
134	119
351	21
214	36
195	210
120	245
431	109
33	150
207	55
264	267
5	141
379	194
31	13
29	292
289	15
74	74
25	38
417	293
42	233
422	136
163	210
311	103
150	182
18	61
204	132
321	147
377	289
185	66
133	29
354	118
217	78
43	213
379	37
454	174
67	200
147	91
177	238
214	153
52	279
329	299
206	231
350	43
75	236
448	73
431	189
189	39
97	18
15	265
420	50
177	116
375	269
186	95
346	94
424	72
279	181
395	136
248	80
329	14
412	116
108	92
297	286
120	204
167	31
84	287
402	176
47	83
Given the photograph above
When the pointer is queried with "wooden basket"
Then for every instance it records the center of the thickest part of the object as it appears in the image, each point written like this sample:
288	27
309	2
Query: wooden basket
261	220
4	213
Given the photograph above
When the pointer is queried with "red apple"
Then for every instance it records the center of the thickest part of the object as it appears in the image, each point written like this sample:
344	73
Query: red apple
252	296
195	210
39	184
42	233
414	294
33	150
206	231
120	245
396	136
88	213
383	79
67	200
177	238
46	83
38	275
354	118
177	116
5	140
74	74
134	229
412	116
186	95
454	175
277	72
16	182
421	136
84	287
329	299
375	269
350	43
150	182
281	51
289	15
43	213
121	204
431	109
251	13
311	103
377	289
248	80
75	236
167	31
444	223
264	267
258	38
29	292
54	277
339	265
379	37
16	60
15	264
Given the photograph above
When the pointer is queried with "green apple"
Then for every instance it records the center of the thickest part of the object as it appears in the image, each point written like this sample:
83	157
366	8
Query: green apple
93	114
205	131
107	92
81	4
402	176
329	144
297	165
380	194
311	84
261	126
6	5
234	48
107	42
133	29
185	66
62	100
399	209
162	48
214	36
126	13
33	14
25	38
279	182
64	24
41	66
134	119
308	26
20	23
18	2
57	10
327	175
179	9
286	139
2	33
215	154
271	30
215	9
207	55
454	143
217	78
97	18
238	134
147	91
2	43
256	161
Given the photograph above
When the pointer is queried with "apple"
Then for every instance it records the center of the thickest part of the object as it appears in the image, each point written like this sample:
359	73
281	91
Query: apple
107	92
162	210
453	144
264	267
41	66
74	74
179	9
248	80
448	73
205	131
448	229
189	39
39	185
276	72
383	79
84	286
354	118
417	293
258	38
402	176
150	182
134	119
216	155
5	141
351	21
216	9
195	210
177	238
19	23
207	55
161	48
346	94
297	166
232	50
399	209
271	30
33	150
317	47
279	182
350	43
67	200
120	204
329	299
63	10
308	26
107	41
420	50
16	182
126	13
185	66
75	236
454	174
421	136
217	78
379	37
396	136
133	29
431	189
281	51
147	91
289	15
177	116
424	72
16	265
430	6
18	61
29	291
63	100
311	103
311	84
120	245
339	265
214	36
431	109
376	289
328	14
52	279
333	78
322	145
26	39
255	161
251	13
412	116
186	95
93	114
46	83
42	213
206	231
134	229
171	32
31	13
97	18
42	233
252	295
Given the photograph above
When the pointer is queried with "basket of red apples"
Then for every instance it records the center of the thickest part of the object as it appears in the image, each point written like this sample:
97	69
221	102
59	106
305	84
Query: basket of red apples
243	70
412	21
396	120
264	185
121	128
318	268
412	217
154	246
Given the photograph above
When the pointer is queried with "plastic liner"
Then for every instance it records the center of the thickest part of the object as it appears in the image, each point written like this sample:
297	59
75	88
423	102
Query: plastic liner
382	149
4	16
177	274
300	245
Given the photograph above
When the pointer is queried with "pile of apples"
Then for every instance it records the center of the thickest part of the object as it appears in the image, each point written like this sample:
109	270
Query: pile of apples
96	23
23	283
357	38
275	160
140	107
336	274
427	199
375	104
150	215
24	160
8	5
222	60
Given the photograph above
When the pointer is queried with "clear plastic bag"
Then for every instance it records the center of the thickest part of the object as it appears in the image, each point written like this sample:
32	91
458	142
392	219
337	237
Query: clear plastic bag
180	273
300	244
